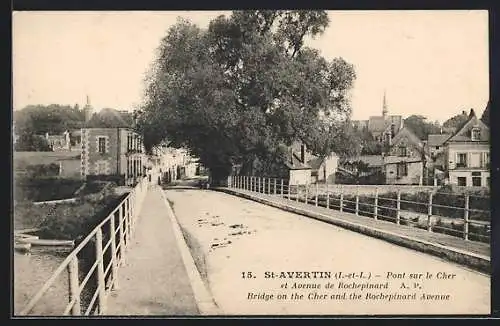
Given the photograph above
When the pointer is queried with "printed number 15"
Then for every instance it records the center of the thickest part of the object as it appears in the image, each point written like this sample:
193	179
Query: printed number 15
247	275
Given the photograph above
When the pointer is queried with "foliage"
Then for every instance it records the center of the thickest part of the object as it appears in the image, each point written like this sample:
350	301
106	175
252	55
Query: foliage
75	220
54	119
29	142
67	220
245	89
420	127
110	118
44	188
456	121
42	170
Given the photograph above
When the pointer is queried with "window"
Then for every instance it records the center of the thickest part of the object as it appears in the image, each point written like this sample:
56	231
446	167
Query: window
476	181
101	168
402	170
101	145
486	162
461	160
402	151
437	147
462	181
475	160
476	134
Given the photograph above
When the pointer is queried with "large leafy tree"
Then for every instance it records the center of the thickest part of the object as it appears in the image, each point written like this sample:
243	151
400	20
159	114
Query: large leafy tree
456	121
245	88
420	127
111	118
54	119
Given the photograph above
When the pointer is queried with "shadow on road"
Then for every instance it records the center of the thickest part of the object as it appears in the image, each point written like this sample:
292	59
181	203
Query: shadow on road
191	183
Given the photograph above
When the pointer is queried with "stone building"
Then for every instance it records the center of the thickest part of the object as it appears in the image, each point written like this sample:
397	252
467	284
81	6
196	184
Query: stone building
112	152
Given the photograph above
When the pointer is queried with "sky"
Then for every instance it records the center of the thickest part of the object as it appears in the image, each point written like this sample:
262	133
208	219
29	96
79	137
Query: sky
432	63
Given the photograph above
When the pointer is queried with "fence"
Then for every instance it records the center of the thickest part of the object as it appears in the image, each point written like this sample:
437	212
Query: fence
460	215
106	244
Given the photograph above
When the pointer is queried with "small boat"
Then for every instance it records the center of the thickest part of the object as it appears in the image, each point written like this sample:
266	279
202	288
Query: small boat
25	236
23	231
22	247
47	242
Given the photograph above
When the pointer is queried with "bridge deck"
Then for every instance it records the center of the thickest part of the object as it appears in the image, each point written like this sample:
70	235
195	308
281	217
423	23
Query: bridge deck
154	279
474	247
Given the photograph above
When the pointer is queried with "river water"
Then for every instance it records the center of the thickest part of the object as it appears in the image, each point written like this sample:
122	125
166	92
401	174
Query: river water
31	271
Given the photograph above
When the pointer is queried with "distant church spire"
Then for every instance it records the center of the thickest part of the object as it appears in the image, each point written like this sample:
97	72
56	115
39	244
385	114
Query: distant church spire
88	110
384	106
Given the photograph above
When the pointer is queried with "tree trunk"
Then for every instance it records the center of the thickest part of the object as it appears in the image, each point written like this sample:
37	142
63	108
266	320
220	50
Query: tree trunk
219	176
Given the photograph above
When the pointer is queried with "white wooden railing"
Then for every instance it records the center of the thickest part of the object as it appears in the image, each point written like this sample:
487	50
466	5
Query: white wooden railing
397	208
112	234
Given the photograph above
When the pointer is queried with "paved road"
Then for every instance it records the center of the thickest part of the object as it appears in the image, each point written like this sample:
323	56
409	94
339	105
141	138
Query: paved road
230	235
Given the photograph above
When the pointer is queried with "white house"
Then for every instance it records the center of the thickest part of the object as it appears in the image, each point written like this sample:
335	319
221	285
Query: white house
467	154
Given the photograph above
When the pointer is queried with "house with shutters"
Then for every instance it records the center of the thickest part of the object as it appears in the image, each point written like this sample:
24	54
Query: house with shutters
467	154
406	161
116	153
305	168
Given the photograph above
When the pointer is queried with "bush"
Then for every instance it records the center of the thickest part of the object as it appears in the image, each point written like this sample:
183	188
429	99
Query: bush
75	220
42	170
45	188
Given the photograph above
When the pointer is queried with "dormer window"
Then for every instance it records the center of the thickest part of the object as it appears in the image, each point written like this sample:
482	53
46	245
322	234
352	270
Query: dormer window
402	151
475	134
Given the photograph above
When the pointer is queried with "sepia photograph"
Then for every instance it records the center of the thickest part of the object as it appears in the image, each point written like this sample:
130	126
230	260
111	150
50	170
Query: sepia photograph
251	163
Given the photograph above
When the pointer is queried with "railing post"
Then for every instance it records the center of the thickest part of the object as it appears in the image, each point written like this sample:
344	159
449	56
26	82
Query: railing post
429	213
126	225
74	286
327	197
341	201
466	217
114	263
275	186
259	180
375	207
357	200
316	198
269	187
398	208
306	199
281	185
121	213
101	282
